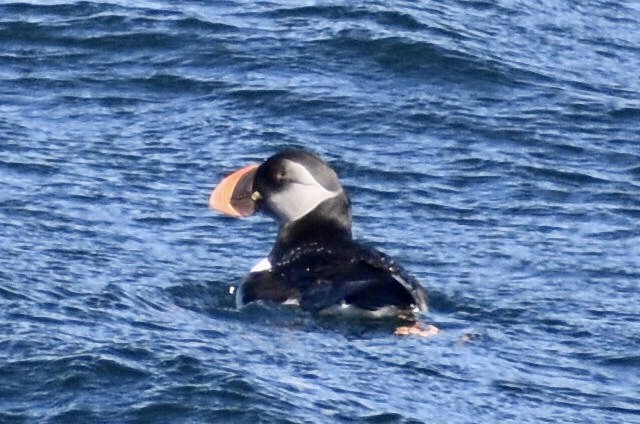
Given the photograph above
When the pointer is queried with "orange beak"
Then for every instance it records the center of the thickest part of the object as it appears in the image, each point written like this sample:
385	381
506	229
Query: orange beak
234	196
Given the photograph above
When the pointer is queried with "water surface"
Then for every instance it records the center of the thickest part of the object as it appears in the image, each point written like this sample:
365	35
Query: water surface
493	149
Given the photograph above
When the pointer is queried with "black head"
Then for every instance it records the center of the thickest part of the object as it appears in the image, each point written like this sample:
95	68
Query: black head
291	186
293	183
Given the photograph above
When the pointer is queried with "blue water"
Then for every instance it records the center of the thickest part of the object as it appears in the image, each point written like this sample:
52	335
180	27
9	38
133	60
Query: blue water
492	147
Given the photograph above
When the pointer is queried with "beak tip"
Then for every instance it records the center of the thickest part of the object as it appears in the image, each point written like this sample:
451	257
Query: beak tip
232	196
220	202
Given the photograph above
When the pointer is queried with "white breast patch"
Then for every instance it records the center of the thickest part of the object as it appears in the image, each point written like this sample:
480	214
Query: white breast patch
263	265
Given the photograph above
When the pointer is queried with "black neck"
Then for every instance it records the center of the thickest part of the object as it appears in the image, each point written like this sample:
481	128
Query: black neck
329	223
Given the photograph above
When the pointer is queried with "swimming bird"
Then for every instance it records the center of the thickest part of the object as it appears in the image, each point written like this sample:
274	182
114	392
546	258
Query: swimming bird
315	262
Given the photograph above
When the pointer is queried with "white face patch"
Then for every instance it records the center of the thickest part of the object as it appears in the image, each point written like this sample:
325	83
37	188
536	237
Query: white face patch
301	194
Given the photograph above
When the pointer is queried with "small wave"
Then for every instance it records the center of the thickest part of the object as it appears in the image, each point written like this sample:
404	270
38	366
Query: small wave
201	297
285	102
77	371
632	113
561	176
421	58
103	28
76	414
389	18
159	411
134	41
624	361
30	168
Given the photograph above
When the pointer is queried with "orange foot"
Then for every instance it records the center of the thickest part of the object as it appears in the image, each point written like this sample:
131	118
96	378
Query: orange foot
417	329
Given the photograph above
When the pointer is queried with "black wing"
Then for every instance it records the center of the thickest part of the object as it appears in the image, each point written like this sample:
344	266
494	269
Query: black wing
354	274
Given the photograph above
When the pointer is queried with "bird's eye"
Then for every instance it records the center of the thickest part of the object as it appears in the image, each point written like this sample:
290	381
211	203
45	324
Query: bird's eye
281	175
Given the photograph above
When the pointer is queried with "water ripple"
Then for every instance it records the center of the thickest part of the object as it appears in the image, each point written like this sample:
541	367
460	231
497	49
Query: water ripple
491	148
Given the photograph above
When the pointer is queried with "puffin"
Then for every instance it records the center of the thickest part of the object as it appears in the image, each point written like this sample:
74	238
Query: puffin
315	263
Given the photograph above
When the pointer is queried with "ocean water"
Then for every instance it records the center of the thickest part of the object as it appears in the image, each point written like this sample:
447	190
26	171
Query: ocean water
493	148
